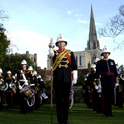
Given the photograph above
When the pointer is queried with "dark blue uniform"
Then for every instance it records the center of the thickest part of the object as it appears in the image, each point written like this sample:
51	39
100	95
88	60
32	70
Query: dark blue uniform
23	103
107	70
2	93
62	84
9	93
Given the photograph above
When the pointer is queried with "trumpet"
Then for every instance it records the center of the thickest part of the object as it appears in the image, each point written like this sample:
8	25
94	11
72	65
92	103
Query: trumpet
3	86
13	87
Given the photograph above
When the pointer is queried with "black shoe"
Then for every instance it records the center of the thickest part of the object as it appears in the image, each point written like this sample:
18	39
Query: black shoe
111	115
66	122
105	115
58	123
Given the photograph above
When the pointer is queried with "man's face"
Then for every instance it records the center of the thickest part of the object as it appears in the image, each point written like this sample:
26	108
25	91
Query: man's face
9	75
23	66
105	55
61	44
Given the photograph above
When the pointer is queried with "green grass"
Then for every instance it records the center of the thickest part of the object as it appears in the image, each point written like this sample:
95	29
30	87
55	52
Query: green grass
79	114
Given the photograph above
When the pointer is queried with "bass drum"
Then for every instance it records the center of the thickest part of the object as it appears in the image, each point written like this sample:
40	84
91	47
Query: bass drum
28	94
4	87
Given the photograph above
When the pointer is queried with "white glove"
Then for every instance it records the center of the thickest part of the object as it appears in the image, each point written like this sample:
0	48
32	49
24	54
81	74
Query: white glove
20	87
99	89
74	81
26	83
51	52
117	84
10	86
96	87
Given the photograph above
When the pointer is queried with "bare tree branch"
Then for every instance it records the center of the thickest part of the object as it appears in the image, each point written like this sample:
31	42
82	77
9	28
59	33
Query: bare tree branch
115	27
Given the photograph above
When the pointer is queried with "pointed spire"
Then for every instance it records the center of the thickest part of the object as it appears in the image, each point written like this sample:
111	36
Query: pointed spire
92	34
93	42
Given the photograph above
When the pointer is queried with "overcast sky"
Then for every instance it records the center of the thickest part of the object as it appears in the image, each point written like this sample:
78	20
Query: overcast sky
33	22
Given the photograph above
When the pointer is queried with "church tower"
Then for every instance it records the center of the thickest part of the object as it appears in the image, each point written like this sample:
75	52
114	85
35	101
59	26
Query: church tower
92	43
93	46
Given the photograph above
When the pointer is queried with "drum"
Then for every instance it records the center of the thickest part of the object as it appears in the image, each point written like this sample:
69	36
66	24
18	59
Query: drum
27	92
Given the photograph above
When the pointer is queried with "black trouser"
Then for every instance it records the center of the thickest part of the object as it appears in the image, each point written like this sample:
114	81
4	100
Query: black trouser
23	104
120	99
94	98
37	102
9	95
99	108
62	93
107	99
1	100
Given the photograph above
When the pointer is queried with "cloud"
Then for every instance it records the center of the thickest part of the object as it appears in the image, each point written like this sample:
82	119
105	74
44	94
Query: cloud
32	42
83	21
78	15
104	1
69	12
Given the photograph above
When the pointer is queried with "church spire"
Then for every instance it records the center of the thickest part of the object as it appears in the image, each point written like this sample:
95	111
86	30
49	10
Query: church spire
93	43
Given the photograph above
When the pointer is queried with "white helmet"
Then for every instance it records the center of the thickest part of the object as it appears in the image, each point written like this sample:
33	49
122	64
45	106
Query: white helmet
34	73
93	66
23	62
1	70
96	60
8	72
30	68
105	50
61	38
39	76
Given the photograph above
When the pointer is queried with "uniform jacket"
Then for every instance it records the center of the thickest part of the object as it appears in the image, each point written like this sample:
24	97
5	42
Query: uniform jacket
63	73
9	80
102	68
27	74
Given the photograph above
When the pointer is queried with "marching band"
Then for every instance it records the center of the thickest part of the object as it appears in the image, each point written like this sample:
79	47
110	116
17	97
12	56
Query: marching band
24	88
103	85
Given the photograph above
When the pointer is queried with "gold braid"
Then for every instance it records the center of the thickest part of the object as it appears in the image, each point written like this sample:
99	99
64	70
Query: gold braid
59	58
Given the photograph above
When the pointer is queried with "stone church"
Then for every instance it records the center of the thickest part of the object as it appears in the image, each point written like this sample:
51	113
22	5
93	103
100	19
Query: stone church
91	52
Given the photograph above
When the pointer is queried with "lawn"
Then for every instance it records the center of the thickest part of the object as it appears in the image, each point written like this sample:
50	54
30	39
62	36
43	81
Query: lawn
79	114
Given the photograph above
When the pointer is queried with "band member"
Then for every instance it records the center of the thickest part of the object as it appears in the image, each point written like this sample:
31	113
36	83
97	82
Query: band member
91	91
9	92
23	77
30	69
86	90
14	95
35	80
42	88
63	63
17	101
96	60
120	87
107	69
2	81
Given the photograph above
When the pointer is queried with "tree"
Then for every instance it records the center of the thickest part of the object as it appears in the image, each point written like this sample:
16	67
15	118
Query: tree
4	43
3	16
80	80
115	27
13	63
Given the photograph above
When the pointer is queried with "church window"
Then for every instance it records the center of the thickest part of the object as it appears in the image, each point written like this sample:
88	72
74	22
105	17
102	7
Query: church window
76	59
80	60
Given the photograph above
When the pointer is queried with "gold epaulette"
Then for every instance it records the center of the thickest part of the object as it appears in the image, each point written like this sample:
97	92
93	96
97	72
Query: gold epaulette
18	83
59	58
